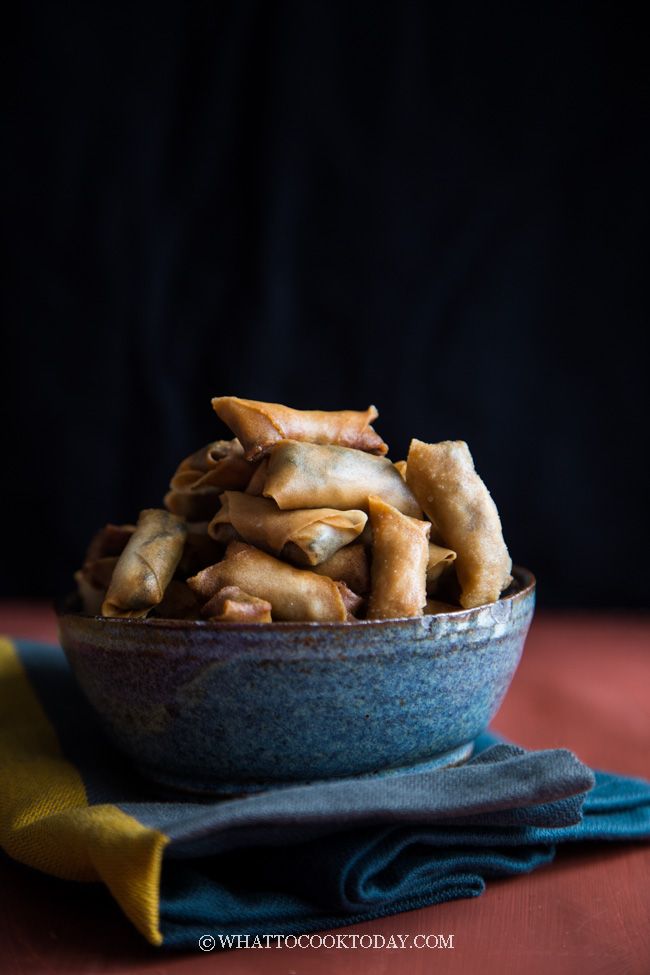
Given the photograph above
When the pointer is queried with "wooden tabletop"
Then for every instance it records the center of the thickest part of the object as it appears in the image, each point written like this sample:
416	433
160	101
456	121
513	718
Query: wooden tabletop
583	683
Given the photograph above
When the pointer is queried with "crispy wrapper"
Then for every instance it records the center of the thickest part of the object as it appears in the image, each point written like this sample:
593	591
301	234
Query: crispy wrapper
440	561
348	565
146	566
443	479
256	483
308	536
294	594
400	552
212	456
260	425
435	537
305	475
202	477
219	464
232	605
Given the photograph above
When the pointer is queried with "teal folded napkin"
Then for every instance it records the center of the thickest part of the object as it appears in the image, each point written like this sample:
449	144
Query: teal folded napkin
289	860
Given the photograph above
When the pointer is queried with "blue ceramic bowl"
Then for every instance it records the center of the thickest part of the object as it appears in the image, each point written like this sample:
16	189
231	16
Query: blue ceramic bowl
233	707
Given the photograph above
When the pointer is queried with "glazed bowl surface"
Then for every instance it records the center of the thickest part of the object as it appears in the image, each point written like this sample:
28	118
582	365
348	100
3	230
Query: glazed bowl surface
215	708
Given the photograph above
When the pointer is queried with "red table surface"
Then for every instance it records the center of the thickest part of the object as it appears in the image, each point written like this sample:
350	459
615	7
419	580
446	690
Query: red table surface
583	683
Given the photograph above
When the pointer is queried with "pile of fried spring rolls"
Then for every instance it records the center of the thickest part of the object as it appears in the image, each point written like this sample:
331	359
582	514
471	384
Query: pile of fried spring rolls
302	517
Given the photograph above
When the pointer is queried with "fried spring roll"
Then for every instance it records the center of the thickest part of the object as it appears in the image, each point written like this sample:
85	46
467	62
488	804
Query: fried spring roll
400	554
232	605
219	464
212	455
348	565
204	475
308	536
440	561
304	475
443	479
260	425
146	566
294	594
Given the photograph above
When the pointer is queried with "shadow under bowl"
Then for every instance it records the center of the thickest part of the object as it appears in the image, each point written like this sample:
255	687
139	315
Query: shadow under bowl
223	708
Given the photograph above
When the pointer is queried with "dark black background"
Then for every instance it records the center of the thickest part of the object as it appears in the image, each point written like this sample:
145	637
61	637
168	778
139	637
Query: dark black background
439	209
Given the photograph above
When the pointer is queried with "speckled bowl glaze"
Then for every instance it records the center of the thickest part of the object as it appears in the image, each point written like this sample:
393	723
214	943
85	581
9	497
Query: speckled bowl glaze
231	707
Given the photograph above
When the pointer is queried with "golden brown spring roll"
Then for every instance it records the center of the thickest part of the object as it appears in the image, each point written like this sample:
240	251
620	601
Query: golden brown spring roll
443	479
232	605
201	478
348	565
400	552
219	464
260	425
219	455
147	564
305	475
308	536
440	561
294	594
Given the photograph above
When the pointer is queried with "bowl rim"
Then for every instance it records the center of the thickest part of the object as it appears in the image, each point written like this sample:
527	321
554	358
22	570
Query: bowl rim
523	577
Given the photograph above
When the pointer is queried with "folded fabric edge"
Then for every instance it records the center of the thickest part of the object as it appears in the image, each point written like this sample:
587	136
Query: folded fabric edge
46	822
462	886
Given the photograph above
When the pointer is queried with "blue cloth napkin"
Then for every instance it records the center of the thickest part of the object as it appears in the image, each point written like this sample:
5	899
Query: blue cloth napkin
286	861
